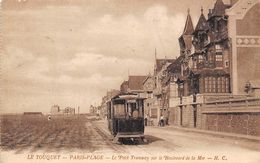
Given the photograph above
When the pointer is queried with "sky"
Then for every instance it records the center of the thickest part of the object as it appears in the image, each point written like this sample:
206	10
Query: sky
71	52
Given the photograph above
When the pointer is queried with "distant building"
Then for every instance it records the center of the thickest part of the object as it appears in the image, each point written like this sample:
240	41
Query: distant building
91	109
55	109
69	111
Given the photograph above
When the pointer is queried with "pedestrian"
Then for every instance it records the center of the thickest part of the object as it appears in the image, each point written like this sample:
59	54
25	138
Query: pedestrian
162	121
145	120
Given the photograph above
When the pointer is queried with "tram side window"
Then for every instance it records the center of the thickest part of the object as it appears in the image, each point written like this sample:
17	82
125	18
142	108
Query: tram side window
119	110
131	109
140	106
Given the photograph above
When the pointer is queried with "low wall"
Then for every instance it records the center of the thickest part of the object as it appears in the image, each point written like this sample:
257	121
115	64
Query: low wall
240	123
241	116
232	115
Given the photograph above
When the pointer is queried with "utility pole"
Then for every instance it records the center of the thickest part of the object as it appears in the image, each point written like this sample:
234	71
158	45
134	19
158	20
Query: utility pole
78	111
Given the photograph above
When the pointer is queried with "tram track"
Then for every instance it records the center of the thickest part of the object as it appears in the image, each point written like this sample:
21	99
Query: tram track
121	148
108	139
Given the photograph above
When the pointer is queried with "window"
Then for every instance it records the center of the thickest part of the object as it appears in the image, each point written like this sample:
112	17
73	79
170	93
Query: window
226	63
210	84
223	84
219	84
206	84
219	57
227	84
218	48
210	57
149	95
195	64
200	58
134	109
208	40
213	84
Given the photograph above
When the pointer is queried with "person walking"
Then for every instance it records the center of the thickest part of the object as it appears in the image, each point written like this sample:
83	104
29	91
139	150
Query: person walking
145	119
161	121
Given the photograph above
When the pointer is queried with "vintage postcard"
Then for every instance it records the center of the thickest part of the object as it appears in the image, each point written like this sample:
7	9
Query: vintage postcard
130	81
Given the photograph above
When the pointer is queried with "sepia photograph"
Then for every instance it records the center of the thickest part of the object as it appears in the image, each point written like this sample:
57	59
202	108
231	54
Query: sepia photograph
130	81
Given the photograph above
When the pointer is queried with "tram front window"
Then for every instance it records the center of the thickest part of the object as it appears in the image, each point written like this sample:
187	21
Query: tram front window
133	110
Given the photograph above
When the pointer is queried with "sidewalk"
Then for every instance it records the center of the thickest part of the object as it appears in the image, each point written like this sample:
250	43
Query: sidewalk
214	133
103	125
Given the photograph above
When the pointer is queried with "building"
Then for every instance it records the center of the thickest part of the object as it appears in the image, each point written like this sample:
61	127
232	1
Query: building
204	62
112	93
149	109
218	83
161	91
55	109
243	29
173	75
124	87
134	84
102	109
69	111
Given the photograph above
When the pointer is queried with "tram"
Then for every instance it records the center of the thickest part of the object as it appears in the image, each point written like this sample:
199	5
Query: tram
125	115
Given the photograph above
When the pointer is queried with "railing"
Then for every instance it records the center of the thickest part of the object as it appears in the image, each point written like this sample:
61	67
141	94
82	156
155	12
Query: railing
209	98
233	105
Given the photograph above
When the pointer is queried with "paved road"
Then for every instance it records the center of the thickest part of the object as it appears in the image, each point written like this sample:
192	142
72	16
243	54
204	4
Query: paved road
167	141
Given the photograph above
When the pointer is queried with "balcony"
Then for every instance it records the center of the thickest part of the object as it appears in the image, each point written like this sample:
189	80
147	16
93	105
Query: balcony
186	100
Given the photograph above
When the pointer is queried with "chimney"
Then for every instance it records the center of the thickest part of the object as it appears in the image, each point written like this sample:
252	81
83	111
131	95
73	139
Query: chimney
210	12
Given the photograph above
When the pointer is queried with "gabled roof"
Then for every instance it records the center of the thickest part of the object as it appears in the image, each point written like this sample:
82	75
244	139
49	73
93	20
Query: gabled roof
136	82
124	86
202	22
219	8
188	29
147	77
160	62
124	83
175	67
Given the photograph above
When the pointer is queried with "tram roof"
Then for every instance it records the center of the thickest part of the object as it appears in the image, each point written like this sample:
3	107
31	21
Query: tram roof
129	96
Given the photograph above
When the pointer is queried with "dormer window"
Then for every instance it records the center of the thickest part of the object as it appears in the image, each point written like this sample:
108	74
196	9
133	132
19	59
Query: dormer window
218	48
200	58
